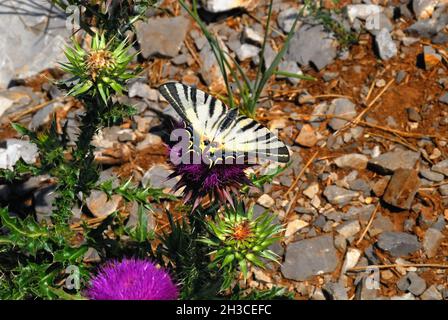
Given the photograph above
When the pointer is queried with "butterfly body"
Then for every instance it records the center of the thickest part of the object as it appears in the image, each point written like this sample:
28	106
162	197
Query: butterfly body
220	132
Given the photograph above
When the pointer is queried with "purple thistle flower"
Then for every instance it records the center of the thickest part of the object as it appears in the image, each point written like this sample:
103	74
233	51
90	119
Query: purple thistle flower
218	181
132	279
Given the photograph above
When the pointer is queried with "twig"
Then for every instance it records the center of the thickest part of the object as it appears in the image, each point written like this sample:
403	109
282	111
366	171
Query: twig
19	115
368	224
301	173
396	265
367	109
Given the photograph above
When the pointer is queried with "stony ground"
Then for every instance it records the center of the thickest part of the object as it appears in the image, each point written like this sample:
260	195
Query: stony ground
365	201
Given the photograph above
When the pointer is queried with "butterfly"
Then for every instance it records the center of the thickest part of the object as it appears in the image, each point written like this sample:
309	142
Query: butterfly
220	132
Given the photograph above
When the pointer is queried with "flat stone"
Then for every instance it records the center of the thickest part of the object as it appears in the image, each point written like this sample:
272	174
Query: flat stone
351	259
307	136
266	201
251	36
444	98
431	57
307	258
5	104
290	67
379	225
16	149
412	283
424	9
312	45
44	202
431	294
33	38
431	175
247	51
100	205
352	161
162	36
285	19
362	11
380	186
339	196
336	290
348	228
385	45
312	190
441	167
158	177
142	90
341	107
402	188
398	244
295	226
217	6
388	162
428	28
431	242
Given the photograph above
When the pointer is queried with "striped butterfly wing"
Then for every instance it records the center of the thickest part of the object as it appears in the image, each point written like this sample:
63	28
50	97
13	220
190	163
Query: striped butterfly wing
240	136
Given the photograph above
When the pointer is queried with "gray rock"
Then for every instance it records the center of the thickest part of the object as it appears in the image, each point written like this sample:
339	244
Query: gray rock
339	196
312	45
380	224
101	205
310	257
413	115
247	51
401	75
428	28
412	283
44	115
398	244
366	289
5	104
343	108
385	45
16	149
162	36
268	55
33	38
388	162
362	11
431	294
352	161
43	202
217	6
444	98
157	177
290	67
431	242
441	167
360	185
142	90
336	291
349	228
251	36
431	175
444	190
423	9
402	188
285	19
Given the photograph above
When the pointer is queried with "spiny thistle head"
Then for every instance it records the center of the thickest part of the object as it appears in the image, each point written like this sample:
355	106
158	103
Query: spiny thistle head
241	240
132	279
102	69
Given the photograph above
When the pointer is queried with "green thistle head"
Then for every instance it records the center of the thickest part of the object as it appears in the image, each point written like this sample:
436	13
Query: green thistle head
102	69
241	241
